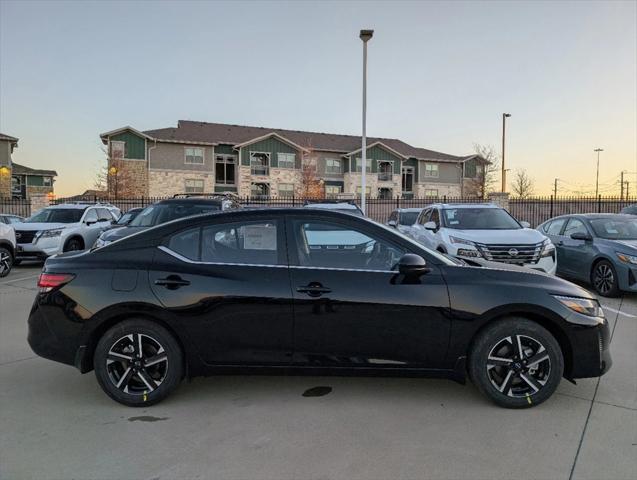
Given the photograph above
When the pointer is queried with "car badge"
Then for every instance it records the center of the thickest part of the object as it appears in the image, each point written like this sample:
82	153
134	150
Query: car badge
513	252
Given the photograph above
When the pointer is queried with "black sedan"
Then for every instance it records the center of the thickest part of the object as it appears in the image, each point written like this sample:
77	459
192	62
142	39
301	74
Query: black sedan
308	290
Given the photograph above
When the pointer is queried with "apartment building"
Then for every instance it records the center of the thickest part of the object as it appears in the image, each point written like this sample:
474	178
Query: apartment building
198	157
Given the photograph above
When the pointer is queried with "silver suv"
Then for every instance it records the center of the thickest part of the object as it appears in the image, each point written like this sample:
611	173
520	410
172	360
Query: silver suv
62	228
7	249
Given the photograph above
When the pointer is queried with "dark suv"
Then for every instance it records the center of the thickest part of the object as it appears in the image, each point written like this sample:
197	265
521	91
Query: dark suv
180	206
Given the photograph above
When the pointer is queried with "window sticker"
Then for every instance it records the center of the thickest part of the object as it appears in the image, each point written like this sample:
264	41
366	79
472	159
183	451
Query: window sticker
259	237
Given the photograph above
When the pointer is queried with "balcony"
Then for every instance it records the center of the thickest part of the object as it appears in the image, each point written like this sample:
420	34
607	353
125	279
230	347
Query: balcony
385	176
259	170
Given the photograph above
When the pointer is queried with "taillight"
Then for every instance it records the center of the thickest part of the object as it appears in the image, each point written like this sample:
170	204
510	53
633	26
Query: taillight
49	281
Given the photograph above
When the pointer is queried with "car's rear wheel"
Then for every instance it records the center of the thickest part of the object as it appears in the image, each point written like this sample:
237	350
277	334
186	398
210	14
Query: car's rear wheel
138	363
6	262
73	244
516	363
604	279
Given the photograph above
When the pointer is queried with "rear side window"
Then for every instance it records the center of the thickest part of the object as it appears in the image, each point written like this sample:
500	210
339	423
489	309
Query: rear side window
555	227
186	243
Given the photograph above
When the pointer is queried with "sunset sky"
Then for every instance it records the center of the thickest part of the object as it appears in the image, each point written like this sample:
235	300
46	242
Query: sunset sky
440	76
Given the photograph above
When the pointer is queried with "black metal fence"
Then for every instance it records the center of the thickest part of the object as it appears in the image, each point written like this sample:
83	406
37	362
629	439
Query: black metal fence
534	210
15	206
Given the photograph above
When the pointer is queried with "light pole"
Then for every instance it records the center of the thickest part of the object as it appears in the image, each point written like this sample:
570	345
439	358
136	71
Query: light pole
504	172
113	171
365	36
597	175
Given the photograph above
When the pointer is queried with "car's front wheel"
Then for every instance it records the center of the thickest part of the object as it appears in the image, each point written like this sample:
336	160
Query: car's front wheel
138	363
516	363
6	262
604	279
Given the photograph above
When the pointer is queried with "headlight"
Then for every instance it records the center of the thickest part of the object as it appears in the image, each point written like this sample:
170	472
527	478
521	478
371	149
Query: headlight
626	258
461	240
100	242
51	233
585	306
548	249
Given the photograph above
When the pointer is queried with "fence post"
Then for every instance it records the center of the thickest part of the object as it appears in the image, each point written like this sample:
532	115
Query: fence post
551	214
599	204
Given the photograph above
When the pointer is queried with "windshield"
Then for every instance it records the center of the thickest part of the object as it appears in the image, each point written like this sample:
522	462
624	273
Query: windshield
479	219
56	215
615	228
408	218
124	219
165	212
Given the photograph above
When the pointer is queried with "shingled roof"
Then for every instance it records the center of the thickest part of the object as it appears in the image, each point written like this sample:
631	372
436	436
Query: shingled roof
221	133
18	169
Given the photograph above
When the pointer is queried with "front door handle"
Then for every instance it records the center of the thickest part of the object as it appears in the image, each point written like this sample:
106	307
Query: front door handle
313	289
172	282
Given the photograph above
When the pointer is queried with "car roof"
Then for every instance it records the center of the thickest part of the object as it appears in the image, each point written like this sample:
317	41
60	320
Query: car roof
332	206
76	206
463	205
193	200
411	209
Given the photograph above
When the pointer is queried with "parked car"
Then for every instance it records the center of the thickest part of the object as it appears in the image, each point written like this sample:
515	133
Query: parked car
10	219
403	219
167	210
212	293
127	217
600	249
630	209
345	206
61	228
7	249
482	233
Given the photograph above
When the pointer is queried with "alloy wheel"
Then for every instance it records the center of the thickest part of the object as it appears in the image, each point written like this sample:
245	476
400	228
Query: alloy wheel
5	263
603	279
518	366
137	364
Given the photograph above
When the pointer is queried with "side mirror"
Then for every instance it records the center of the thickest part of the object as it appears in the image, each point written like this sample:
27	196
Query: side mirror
90	222
525	224
581	236
412	265
431	226
392	223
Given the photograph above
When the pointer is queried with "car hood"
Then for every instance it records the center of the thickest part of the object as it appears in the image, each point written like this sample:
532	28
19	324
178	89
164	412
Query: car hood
32	227
121	232
522	236
627	246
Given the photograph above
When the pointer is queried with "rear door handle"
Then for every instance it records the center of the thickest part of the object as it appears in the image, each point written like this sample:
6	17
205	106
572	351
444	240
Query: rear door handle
314	289
172	282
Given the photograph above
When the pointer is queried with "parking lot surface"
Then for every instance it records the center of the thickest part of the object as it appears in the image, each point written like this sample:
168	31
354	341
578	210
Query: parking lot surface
57	424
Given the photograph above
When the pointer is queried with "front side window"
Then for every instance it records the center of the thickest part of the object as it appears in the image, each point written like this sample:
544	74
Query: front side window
194	155
435	217
479	218
193	185
331	245
424	216
104	215
225	169
286	189
333	166
555	227
575	225
91	216
359	163
286	160
245	242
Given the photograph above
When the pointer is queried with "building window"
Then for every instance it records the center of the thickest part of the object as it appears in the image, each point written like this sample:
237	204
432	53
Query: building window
118	149
332	191
194	155
431	192
224	169
260	189
259	163
359	163
194	185
333	166
286	160
286	189
408	179
385	171
46	181
431	170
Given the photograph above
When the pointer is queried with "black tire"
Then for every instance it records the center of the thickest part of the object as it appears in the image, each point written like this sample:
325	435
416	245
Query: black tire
124	376
72	245
507	379
604	279
6	261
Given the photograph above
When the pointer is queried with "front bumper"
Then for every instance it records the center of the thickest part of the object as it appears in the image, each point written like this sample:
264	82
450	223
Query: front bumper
590	354
627	276
41	248
544	264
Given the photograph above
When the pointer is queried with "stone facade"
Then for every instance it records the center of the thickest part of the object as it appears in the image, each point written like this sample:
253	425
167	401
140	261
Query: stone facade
131	179
36	190
285	176
164	183
444	189
5	181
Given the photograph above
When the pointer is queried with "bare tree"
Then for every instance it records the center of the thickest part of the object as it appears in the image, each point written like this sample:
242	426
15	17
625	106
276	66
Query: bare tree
523	185
488	166
311	186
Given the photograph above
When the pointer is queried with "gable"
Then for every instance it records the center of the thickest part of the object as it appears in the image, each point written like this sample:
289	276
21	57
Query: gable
270	145
135	144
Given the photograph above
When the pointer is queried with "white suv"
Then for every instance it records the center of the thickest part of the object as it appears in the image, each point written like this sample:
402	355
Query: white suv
483	233
61	228
7	248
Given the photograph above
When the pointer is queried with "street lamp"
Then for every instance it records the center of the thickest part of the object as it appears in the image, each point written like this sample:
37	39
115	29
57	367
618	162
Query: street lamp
504	172
365	36
113	172
597	175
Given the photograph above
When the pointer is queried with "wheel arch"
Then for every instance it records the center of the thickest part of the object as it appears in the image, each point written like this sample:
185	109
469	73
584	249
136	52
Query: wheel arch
74	236
594	263
542	318
9	246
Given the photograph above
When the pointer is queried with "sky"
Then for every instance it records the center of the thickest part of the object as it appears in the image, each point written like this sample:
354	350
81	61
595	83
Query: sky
440	76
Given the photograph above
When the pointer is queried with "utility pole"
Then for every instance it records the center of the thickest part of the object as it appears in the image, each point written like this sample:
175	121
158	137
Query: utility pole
597	176
365	36
555	188
504	172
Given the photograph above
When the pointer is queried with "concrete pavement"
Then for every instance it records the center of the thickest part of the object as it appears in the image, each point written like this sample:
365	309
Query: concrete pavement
57	424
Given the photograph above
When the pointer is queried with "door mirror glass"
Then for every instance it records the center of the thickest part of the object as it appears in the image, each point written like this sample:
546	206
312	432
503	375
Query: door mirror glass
412	265
525	224
392	223
581	236
431	226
